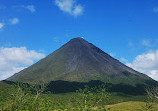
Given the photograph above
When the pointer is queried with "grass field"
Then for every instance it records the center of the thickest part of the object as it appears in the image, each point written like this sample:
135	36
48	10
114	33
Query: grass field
133	106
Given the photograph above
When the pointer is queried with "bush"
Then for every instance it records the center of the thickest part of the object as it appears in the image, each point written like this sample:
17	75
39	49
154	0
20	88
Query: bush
89	98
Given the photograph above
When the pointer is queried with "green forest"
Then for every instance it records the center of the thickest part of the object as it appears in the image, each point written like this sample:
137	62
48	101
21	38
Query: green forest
24	97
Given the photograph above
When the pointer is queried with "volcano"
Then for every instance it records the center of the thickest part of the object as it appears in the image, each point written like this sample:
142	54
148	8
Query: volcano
80	61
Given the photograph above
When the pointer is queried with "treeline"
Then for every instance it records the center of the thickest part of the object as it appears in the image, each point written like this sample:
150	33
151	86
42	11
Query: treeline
25	97
35	98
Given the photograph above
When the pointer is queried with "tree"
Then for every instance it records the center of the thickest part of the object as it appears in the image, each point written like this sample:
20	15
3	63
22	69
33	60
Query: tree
89	98
25	97
152	94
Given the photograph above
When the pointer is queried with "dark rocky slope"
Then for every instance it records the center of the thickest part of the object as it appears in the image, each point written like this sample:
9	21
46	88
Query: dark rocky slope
80	61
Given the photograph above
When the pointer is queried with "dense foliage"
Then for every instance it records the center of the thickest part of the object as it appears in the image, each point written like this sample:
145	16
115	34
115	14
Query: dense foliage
32	98
152	102
23	97
91	97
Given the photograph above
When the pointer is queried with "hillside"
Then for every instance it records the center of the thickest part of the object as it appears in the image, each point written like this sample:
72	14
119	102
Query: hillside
80	61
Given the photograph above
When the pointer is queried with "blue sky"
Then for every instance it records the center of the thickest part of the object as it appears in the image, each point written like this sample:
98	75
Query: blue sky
126	29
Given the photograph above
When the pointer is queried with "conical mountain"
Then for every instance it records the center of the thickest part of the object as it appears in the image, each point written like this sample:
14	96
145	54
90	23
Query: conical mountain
80	61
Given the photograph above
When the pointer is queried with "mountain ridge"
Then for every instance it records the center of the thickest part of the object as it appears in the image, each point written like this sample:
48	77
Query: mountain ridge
80	61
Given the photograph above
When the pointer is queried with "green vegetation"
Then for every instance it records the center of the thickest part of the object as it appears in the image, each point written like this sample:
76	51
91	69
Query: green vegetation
77	77
133	106
91	97
22	97
32	98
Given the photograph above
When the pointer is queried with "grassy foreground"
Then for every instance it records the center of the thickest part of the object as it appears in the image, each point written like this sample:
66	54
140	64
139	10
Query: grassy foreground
133	106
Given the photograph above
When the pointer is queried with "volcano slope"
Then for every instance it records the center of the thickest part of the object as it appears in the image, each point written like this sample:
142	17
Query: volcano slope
80	61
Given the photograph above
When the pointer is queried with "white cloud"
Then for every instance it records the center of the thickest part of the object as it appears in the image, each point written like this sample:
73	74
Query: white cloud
112	54
150	42
146	63
1	25
77	10
31	8
14	59
70	6
14	21
5	74
124	60
155	10
146	42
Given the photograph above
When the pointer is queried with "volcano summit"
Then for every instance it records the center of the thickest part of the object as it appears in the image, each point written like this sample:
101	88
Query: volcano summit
80	61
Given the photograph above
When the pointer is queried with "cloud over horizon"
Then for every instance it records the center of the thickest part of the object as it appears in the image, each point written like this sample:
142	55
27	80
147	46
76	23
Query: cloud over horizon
13	60
70	6
146	63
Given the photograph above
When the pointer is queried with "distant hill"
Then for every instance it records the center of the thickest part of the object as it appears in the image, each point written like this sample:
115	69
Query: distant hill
81	61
